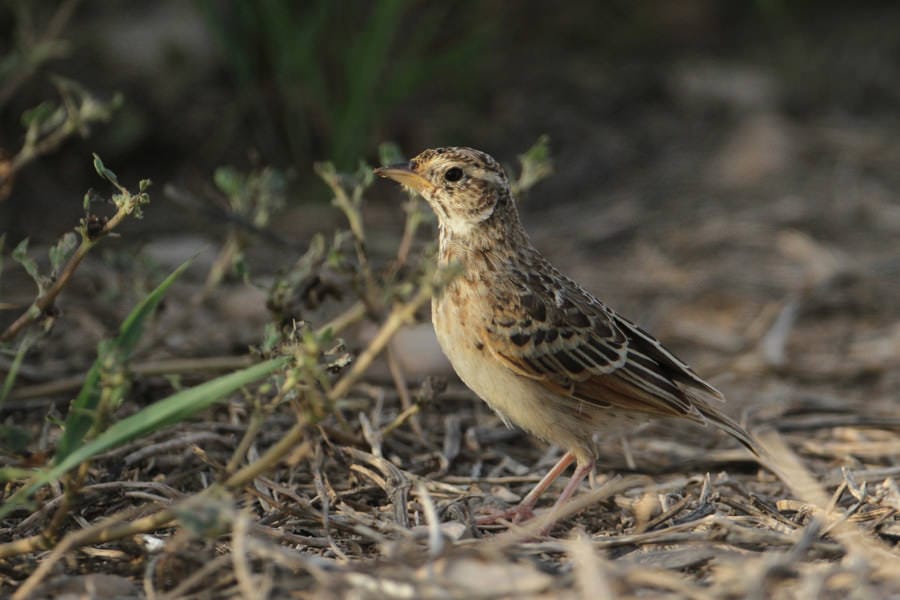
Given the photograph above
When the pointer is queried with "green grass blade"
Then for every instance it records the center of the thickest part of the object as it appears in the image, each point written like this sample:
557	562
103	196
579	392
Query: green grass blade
168	411
133	326
13	372
83	409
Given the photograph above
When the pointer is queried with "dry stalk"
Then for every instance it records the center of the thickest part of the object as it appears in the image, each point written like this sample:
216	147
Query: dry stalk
882	559
399	316
108	529
403	391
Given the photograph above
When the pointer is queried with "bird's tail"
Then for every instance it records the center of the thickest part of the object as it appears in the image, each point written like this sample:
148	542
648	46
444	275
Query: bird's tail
700	399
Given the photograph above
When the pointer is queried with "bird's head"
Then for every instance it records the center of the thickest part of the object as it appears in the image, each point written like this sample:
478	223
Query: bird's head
463	186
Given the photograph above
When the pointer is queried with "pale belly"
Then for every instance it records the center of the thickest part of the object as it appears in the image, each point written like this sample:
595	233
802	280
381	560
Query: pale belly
517	399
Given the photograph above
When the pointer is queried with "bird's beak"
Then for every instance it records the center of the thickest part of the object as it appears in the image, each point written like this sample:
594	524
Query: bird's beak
403	173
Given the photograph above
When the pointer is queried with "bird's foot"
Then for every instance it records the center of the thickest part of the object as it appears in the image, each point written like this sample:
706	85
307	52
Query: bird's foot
517	514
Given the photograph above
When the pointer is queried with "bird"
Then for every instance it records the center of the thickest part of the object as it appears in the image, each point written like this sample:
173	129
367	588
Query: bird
540	350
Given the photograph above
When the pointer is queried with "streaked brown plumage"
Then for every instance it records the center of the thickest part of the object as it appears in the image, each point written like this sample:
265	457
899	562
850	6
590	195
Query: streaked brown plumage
540	350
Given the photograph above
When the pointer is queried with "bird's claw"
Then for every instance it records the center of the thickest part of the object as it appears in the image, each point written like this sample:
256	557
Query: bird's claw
517	514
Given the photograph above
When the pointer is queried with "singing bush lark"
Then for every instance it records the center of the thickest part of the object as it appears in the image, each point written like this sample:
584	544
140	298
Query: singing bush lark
544	353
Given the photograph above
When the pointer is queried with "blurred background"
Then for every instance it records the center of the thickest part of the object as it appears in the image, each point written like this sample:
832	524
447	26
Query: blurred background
713	159
740	96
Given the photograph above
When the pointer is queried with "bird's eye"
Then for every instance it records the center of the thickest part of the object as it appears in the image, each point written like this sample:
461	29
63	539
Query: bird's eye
453	174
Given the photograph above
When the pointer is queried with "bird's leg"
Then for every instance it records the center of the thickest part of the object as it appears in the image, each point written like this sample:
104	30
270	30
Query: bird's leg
527	504
525	509
581	471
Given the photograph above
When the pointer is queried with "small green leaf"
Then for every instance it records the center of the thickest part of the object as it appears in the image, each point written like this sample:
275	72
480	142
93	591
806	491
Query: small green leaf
536	165
271	338
365	175
326	337
104	172
326	171
389	153
144	185
539	151
37	115
174	380
20	255
61	252
229	180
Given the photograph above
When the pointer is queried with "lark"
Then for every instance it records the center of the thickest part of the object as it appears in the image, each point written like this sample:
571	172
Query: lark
544	353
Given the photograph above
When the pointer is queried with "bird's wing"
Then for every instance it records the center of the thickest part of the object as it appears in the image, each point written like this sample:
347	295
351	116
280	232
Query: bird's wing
575	346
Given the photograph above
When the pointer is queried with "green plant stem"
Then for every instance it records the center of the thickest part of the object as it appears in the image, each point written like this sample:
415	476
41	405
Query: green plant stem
42	302
29	152
351	207
13	372
45	300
